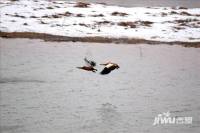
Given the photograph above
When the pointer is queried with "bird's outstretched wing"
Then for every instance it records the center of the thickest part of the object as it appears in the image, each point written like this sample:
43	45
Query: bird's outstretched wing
89	62
105	71
108	68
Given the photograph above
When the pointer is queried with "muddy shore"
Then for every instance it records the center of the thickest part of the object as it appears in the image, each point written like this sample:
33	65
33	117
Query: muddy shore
92	39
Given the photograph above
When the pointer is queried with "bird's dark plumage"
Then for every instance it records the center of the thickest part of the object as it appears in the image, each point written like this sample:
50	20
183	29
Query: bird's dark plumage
88	68
89	62
108	68
90	65
105	71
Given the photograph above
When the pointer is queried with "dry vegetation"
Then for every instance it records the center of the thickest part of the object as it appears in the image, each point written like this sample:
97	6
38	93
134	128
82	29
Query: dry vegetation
49	7
135	24
59	15
48	37
82	5
181	7
119	14
97	15
127	24
103	22
15	15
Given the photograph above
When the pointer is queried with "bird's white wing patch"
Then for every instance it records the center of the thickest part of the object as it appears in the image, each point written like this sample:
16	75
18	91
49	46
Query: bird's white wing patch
109	65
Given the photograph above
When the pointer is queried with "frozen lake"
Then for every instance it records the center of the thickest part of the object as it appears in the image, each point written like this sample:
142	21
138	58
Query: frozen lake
42	91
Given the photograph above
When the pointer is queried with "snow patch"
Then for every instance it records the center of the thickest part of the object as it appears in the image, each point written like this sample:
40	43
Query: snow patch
84	20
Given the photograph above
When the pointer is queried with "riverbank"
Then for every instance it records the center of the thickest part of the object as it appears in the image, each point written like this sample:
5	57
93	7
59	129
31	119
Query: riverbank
57	38
88	22
146	3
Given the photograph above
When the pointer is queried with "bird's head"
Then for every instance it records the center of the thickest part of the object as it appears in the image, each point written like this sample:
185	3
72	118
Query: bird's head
94	70
117	66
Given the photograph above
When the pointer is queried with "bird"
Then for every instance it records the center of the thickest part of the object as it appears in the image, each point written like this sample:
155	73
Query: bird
90	65
90	62
109	66
87	68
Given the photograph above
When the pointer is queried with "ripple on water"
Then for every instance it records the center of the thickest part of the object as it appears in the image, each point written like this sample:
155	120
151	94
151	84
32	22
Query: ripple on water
19	80
10	128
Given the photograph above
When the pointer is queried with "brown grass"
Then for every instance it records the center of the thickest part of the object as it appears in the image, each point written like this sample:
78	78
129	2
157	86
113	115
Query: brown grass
135	24
50	7
79	15
145	23
178	28
15	15
68	13
56	16
182	7
163	14
96	39
177	8
25	24
103	22
193	23
33	17
57	6
42	22
97	15
85	25
185	13
186	20
173	12
60	15
82	5
119	14
127	24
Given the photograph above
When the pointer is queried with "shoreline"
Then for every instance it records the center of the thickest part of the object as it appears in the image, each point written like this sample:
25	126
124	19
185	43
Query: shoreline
93	39
89	22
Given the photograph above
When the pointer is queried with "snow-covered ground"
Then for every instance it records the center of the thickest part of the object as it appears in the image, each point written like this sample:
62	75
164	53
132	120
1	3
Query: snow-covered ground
67	19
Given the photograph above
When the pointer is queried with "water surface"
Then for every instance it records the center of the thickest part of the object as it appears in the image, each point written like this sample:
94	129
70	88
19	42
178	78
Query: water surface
42	91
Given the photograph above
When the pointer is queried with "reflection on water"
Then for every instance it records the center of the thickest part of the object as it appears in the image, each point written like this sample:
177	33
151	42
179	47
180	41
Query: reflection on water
49	94
9	128
110	118
17	80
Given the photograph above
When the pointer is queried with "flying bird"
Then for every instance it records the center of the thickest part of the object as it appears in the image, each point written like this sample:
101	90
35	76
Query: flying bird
90	65
90	62
109	67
